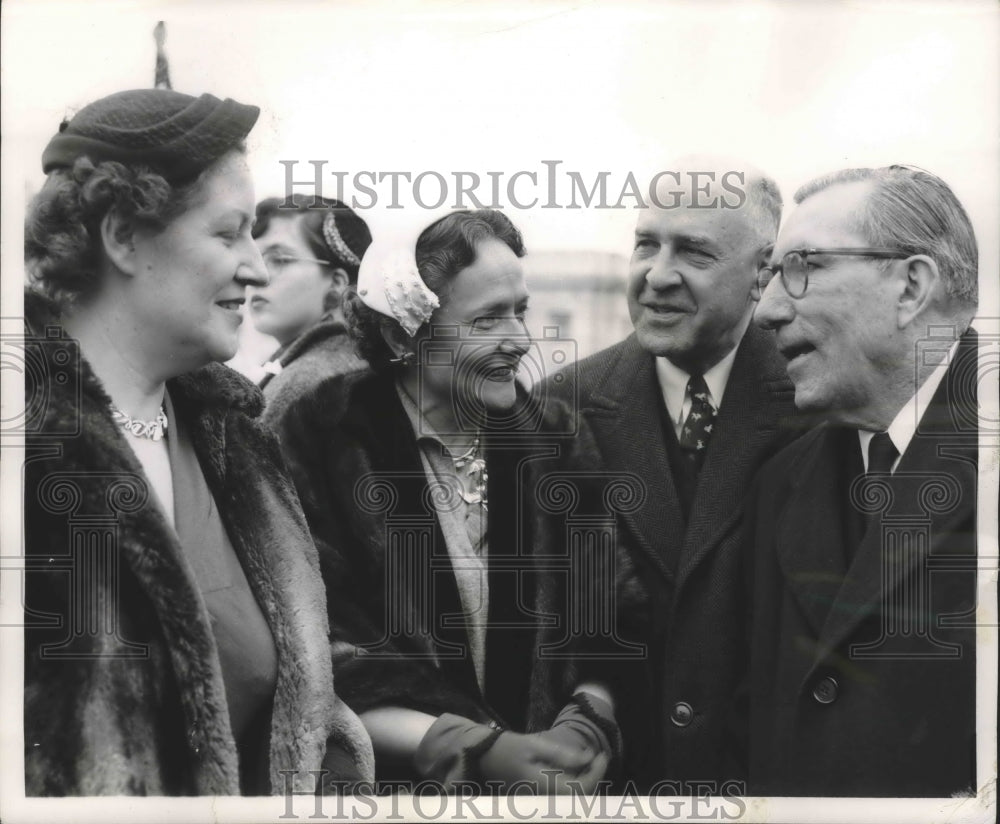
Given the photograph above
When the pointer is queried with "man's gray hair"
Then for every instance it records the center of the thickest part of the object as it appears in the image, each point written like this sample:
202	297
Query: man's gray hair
763	197
764	201
915	212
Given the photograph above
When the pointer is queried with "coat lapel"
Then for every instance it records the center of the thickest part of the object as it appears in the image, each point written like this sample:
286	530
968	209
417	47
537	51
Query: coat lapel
389	447
269	535
757	390
809	533
624	412
932	489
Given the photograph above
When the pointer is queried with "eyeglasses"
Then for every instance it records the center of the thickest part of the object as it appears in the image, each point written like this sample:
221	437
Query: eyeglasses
276	261
794	268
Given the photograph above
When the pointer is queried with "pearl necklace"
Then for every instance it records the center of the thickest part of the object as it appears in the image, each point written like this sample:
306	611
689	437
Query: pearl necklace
154	429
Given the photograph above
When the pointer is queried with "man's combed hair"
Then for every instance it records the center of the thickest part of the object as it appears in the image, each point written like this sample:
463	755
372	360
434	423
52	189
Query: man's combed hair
444	249
765	204
917	213
62	231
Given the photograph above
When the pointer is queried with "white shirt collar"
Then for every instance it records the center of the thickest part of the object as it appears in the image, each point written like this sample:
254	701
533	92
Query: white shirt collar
904	425
673	384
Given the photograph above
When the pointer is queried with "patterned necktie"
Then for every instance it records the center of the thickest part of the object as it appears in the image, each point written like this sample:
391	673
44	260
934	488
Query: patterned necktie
700	422
882	454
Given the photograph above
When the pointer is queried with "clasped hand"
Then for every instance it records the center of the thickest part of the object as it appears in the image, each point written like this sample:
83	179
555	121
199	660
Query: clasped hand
573	755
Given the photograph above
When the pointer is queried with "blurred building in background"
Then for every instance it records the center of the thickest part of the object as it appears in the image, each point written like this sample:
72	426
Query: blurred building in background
582	293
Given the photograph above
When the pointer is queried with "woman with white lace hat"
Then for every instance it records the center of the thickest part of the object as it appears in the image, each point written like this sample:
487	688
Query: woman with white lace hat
409	476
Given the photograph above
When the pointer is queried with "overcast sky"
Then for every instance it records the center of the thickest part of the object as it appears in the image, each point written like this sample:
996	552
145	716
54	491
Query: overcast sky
800	88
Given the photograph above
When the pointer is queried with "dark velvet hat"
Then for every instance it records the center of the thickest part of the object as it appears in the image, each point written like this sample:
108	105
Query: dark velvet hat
175	134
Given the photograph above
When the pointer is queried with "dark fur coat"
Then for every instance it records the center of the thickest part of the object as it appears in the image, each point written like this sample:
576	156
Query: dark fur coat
136	704
322	351
354	458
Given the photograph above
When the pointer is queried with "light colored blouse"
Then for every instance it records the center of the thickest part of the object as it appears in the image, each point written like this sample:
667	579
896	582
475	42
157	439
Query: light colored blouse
464	526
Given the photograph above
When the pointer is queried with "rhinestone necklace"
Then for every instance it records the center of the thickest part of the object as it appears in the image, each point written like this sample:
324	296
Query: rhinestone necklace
154	429
474	465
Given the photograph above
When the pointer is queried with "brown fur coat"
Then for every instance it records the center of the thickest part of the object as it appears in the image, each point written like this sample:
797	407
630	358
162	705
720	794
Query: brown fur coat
139	707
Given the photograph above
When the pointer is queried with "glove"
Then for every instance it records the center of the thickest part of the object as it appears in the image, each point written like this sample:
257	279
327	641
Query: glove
587	726
456	749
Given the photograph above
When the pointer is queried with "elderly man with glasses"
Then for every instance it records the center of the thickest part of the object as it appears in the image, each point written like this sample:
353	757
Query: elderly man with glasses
863	532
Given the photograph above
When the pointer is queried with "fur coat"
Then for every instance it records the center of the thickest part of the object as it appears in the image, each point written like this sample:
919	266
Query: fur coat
123	688
322	351
354	458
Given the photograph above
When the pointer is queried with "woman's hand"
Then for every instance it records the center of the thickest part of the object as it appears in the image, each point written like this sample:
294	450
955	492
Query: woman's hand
587	727
546	761
456	749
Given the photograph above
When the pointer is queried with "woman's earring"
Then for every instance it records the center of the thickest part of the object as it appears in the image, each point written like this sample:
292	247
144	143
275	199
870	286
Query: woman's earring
406	358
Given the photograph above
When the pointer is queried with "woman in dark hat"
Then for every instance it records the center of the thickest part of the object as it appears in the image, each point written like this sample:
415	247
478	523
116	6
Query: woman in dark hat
180	646
312	255
410	476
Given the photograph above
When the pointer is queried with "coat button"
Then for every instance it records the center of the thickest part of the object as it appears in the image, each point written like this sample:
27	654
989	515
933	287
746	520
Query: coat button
681	714
826	690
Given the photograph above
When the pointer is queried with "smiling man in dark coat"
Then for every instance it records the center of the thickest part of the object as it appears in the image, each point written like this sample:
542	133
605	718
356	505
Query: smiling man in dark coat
683	412
863	656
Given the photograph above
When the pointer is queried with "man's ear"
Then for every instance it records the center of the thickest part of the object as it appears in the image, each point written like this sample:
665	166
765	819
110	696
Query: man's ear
919	288
118	239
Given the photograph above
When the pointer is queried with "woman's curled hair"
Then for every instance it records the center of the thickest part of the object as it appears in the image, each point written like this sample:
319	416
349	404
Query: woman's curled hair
62	231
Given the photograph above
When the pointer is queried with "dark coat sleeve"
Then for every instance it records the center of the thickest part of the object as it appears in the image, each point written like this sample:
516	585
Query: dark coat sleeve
578	584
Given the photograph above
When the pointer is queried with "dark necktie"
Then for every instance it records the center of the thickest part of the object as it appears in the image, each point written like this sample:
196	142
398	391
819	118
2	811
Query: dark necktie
882	454
700	422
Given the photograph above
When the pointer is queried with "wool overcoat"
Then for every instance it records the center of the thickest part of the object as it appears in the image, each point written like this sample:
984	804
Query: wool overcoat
864	656
677	655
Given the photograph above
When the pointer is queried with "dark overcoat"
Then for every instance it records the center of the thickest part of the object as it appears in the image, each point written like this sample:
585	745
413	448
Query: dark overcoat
393	600
123	688
679	588
863	675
